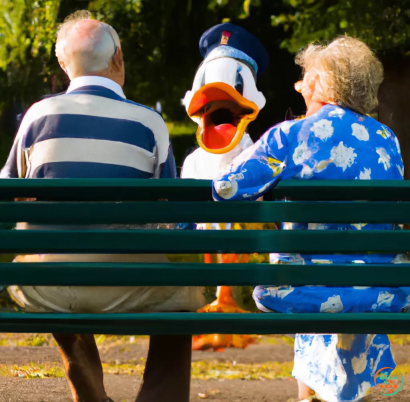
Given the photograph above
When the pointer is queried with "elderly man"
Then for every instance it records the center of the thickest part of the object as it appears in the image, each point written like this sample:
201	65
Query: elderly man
93	131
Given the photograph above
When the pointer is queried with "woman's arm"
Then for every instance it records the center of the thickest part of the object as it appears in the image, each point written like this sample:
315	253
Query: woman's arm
255	170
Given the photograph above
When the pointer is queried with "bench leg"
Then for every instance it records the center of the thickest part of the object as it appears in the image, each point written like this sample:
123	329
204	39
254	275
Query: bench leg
167	375
83	368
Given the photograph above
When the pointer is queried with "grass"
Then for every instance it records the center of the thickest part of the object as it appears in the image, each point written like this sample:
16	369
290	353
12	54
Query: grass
25	340
214	370
399	339
201	370
46	370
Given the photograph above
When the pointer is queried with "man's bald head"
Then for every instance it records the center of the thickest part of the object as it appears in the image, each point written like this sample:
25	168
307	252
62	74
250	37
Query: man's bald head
85	46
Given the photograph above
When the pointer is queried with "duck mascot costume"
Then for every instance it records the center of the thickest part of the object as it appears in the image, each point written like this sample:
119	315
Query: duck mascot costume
223	100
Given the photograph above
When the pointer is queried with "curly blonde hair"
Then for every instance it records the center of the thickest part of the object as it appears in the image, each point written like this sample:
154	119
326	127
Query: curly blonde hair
353	73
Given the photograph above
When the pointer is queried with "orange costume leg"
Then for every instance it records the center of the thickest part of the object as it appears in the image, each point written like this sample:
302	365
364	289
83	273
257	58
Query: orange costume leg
224	303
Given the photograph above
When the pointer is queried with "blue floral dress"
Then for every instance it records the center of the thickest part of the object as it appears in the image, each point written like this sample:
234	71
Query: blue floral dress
334	143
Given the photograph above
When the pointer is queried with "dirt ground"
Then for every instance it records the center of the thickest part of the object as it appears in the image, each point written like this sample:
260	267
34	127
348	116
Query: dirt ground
124	388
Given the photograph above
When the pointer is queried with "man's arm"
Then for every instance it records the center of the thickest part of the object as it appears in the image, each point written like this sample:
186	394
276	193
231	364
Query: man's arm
255	170
10	169
15	166
168	168
165	167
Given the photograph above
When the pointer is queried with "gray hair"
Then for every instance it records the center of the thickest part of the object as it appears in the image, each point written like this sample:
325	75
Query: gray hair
353	72
85	45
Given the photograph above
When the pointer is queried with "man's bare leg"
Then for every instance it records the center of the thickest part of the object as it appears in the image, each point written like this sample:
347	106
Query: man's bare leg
167	375
83	368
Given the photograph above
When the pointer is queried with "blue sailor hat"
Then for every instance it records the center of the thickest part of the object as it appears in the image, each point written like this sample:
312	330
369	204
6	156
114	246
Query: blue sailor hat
229	40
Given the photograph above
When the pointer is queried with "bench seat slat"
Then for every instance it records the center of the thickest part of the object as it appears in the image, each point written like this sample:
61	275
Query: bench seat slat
203	241
197	274
169	212
205	323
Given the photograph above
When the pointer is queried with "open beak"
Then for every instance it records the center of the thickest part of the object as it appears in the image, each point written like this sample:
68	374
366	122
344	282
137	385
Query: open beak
224	115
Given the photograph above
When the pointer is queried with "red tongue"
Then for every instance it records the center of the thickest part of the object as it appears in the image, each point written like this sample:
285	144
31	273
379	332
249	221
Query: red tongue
217	137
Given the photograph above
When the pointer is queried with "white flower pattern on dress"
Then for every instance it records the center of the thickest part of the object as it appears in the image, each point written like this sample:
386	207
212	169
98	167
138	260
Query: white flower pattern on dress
359	364
281	293
384	157
397	144
332	305
360	132
227	189
339	112
323	129
385	299
306	172
302	153
365	175
343	156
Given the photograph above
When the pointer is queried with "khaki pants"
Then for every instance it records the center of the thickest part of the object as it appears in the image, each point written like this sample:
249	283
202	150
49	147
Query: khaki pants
105	299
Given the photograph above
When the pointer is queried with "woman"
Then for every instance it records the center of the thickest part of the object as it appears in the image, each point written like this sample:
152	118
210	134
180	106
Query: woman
336	140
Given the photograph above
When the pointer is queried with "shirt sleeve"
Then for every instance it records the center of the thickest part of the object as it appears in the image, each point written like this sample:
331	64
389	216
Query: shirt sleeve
10	169
255	170
15	166
168	169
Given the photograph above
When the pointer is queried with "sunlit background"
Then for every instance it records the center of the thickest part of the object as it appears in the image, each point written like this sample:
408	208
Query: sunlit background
160	42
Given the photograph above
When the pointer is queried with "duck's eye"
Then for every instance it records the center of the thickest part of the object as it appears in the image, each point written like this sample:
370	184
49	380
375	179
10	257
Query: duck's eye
239	83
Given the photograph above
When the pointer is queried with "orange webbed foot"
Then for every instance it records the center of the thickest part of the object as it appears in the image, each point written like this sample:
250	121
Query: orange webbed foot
224	303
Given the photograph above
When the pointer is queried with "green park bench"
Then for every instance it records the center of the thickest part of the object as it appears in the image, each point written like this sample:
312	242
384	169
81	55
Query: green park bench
69	201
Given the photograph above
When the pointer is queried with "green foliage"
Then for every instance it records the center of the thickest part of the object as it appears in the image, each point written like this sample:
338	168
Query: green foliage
27	36
28	30
160	44
383	24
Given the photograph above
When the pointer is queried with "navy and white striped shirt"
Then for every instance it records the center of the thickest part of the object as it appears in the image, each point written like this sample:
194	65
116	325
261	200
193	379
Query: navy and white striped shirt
92	131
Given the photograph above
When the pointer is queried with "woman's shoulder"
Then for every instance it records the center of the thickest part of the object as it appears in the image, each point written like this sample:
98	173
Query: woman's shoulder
283	126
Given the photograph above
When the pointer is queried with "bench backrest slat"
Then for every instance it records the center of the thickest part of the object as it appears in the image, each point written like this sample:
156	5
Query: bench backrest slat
203	241
198	274
198	190
204	211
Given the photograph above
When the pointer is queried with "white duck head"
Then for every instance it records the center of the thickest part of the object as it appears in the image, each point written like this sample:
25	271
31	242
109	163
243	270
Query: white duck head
224	98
